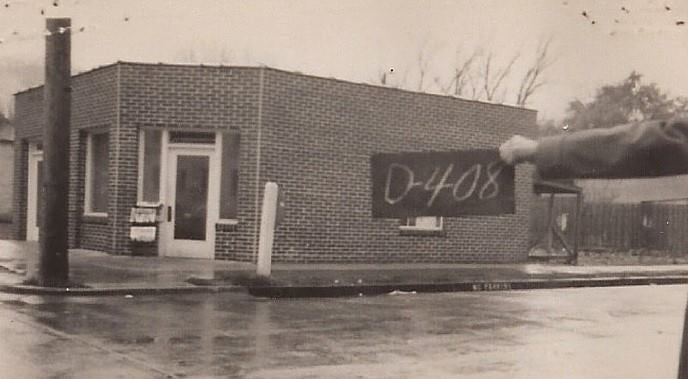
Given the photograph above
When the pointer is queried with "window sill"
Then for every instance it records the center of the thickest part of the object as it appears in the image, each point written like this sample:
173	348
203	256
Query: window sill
95	218
422	232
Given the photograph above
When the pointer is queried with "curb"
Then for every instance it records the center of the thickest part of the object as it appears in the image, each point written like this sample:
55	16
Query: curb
115	291
368	290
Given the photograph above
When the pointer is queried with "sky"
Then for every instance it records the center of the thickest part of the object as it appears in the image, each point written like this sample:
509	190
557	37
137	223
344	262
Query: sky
358	40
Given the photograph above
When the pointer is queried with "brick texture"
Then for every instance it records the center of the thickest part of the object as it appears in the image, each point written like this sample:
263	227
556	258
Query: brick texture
313	136
329	129
93	107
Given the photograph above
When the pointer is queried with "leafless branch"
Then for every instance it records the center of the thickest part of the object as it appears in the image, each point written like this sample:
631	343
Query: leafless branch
532	80
490	86
460	77
423	62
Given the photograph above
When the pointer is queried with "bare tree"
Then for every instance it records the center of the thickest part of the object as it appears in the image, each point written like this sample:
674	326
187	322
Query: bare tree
493	84
477	76
532	80
474	87
390	78
423	61
382	77
461	76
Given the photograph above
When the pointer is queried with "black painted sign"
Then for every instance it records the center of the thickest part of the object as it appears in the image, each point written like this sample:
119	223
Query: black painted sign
455	183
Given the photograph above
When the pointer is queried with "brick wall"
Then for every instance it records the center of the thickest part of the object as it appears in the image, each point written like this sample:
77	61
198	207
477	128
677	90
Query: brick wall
21	164
197	98
93	107
6	177
318	136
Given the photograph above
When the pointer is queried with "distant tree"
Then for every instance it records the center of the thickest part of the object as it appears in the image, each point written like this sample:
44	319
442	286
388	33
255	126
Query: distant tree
627	101
493	79
477	74
532	80
548	127
461	75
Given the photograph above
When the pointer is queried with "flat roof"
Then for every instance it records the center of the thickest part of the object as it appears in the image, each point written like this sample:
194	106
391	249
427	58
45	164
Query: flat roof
215	66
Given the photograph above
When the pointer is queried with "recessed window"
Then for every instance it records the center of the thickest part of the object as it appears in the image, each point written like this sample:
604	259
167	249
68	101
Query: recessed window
97	156
422	223
229	177
150	177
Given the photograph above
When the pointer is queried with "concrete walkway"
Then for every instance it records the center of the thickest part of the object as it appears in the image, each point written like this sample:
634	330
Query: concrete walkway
104	274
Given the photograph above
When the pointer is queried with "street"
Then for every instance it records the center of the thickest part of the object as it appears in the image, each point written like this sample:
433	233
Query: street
617	332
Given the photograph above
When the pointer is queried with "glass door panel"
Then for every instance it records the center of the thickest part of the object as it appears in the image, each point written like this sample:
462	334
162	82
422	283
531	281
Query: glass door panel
191	197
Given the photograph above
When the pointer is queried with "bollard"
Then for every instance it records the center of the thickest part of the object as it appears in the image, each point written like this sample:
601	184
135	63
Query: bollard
267	230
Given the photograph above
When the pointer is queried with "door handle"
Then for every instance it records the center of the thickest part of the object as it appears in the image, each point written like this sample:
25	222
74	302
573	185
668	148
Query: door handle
169	213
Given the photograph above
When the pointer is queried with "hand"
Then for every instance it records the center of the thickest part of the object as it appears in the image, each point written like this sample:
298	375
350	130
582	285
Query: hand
518	149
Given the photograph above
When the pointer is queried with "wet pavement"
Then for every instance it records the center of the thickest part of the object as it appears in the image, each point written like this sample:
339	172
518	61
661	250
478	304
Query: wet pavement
95	272
619	332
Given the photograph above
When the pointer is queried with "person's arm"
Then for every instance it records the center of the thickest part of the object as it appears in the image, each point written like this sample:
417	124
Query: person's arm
646	149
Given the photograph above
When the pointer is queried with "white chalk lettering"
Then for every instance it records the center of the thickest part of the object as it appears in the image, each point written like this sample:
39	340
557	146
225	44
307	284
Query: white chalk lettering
491	181
462	189
440	186
475	170
409	183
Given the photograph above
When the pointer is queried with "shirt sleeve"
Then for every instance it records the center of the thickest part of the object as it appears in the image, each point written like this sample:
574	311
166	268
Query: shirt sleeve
645	149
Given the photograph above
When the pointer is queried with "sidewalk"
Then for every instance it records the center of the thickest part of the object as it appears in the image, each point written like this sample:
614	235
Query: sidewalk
103	274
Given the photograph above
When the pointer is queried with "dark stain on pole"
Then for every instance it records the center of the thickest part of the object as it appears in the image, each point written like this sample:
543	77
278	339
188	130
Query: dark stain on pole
53	264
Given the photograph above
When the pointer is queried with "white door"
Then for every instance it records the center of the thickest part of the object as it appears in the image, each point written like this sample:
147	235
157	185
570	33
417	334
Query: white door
191	206
34	192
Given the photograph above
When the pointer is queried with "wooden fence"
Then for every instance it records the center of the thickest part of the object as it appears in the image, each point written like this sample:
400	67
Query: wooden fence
656	226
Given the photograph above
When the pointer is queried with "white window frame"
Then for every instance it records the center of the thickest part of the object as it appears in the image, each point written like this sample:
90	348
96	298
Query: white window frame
163	155
89	179
425	223
139	169
218	148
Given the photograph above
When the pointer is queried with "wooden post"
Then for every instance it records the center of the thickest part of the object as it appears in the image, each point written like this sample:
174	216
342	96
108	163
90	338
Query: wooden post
577	227
53	264
551	224
267	230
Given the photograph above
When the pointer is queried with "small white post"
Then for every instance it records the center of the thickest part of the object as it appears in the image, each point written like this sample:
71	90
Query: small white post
267	230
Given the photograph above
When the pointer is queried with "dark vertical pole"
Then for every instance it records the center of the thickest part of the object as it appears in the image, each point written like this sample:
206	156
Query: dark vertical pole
551	223
683	354
53	264
577	226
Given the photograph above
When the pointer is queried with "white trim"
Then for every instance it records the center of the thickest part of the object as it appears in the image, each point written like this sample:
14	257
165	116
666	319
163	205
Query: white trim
139	180
112	198
256	202
32	229
164	150
424	227
95	214
88	179
191	146
219	149
217	172
204	249
87	176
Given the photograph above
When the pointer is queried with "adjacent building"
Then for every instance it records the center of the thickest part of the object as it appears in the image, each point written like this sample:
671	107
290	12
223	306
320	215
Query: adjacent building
6	170
200	142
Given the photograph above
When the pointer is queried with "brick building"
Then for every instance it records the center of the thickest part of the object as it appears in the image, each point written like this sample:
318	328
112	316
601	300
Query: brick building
203	140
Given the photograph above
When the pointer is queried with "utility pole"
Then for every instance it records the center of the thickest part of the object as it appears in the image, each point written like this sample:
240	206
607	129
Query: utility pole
53	263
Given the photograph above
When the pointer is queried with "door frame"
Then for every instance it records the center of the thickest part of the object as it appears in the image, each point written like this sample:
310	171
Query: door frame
188	249
32	229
